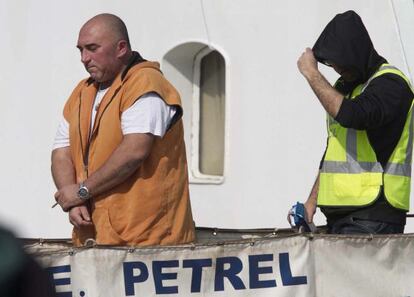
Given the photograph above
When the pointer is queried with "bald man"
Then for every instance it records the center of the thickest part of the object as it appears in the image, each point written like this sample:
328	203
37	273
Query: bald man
119	160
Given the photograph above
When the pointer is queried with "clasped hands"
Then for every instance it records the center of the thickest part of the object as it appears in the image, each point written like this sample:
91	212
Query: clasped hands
67	198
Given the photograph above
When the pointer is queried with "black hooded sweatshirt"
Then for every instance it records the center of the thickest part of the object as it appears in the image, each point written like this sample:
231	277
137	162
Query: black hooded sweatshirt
381	109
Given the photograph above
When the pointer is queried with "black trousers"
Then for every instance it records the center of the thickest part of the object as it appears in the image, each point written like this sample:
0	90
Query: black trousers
352	225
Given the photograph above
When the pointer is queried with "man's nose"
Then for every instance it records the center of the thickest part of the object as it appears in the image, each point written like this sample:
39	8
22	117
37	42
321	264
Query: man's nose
85	58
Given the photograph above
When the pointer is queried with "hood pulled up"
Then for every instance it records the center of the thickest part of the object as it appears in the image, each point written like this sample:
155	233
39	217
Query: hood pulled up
345	42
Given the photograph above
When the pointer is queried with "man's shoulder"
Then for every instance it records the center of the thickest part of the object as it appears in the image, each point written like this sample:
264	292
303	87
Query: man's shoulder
391	82
83	82
388	72
145	77
72	99
143	70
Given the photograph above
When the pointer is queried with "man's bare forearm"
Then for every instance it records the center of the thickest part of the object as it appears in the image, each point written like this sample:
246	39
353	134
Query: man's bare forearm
313	196
330	98
123	162
312	201
63	171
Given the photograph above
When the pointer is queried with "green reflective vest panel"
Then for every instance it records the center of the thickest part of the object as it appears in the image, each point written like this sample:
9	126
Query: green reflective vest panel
351	174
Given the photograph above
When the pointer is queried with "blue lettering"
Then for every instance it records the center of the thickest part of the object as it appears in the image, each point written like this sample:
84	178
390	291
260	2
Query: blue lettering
130	279
157	267
255	271
197	266
235	268
60	281
286	273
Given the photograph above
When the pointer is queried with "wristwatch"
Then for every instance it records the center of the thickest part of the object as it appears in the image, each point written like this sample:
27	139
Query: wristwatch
83	192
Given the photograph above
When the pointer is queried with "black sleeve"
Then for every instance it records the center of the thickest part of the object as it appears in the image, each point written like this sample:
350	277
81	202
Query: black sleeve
383	100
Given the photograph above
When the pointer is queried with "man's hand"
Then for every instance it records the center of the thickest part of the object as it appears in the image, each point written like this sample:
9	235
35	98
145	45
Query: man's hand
67	197
79	216
307	63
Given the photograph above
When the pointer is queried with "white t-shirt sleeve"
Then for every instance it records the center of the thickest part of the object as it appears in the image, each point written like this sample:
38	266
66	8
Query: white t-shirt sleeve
62	135
149	114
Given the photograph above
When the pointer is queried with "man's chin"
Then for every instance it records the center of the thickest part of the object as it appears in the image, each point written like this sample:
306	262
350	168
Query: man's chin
94	76
349	77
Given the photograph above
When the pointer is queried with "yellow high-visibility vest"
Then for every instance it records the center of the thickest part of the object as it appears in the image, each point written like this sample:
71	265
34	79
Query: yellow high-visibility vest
351	174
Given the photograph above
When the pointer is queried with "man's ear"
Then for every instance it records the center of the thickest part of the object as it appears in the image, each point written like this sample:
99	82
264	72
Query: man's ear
122	48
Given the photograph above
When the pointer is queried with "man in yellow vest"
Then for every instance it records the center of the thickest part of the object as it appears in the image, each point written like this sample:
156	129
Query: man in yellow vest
119	160
363	183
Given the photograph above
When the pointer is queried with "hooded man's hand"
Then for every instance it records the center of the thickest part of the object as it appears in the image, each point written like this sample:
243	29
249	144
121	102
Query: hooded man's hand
307	63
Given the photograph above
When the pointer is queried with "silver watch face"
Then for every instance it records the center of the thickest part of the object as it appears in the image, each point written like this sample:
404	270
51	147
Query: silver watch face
83	193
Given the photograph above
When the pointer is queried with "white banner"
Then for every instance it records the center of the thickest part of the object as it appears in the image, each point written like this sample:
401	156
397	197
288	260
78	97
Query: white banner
291	266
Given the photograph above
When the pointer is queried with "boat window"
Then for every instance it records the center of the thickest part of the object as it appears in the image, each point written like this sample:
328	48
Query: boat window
199	74
211	96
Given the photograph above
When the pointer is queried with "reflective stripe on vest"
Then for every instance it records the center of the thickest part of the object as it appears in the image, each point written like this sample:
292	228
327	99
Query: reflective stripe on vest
351	174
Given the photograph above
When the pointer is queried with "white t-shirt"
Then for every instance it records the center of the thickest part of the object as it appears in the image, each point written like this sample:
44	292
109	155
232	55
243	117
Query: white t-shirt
149	114
98	98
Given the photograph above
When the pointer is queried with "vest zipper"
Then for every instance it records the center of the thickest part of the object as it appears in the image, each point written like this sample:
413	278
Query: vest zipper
85	155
